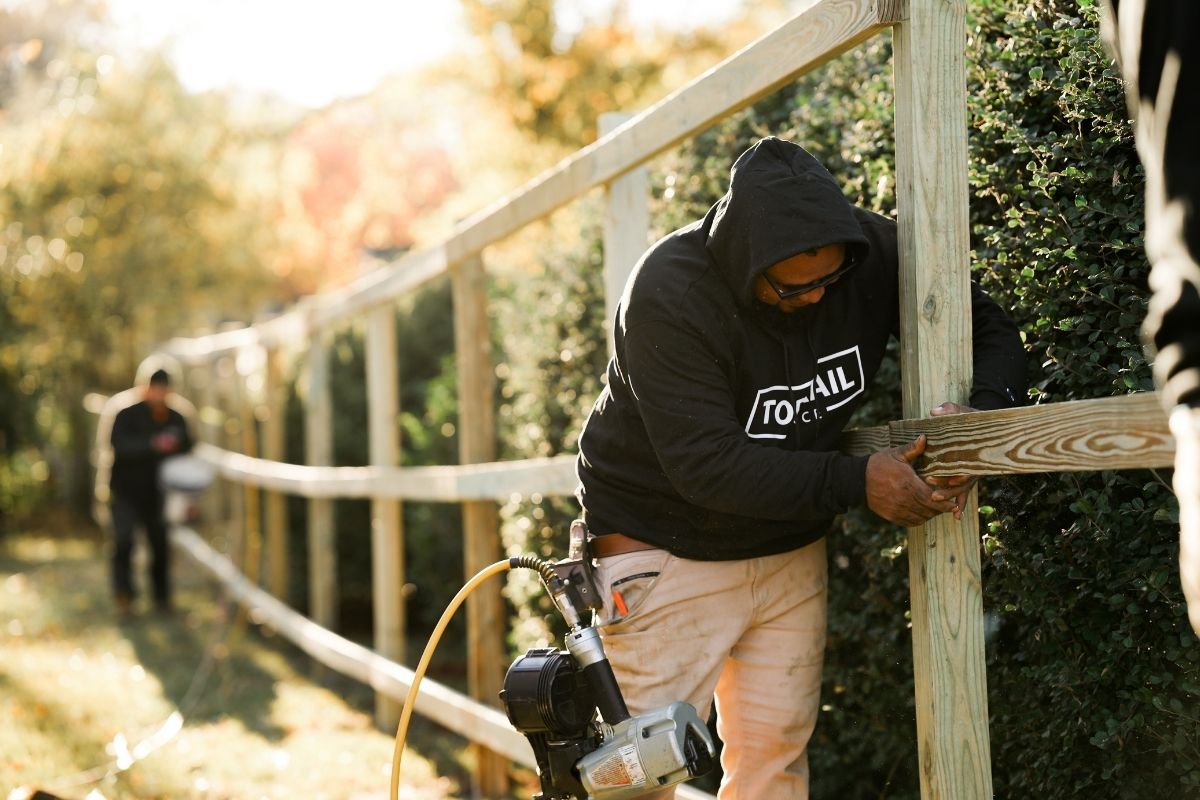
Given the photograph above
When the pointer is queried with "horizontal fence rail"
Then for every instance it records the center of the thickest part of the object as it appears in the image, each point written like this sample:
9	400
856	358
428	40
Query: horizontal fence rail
551	477
1125	432
457	712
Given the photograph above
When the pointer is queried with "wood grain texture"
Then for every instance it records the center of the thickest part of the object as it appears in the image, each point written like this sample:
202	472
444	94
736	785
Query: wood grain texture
626	228
1108	433
318	450
275	503
1125	432
935	343
486	653
387	533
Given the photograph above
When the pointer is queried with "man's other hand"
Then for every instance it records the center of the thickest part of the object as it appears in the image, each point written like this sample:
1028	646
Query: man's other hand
165	442
957	487
896	493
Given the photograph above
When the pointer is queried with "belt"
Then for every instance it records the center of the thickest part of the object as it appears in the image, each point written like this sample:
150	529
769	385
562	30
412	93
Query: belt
615	544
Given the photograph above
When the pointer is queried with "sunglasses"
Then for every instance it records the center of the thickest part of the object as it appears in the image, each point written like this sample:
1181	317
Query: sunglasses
788	291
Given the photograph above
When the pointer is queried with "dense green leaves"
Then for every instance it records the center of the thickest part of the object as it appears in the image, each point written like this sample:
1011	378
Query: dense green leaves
1083	575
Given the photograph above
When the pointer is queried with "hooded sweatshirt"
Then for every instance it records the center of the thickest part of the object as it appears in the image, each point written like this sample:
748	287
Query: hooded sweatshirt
715	437
135	461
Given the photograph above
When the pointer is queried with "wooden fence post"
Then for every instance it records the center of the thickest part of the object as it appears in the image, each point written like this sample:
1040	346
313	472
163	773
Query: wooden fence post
274	436
626	227
208	428
243	412
486	655
318	451
234	496
387	534
944	560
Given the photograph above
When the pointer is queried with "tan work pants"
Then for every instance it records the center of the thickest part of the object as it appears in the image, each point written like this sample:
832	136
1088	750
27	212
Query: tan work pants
752	632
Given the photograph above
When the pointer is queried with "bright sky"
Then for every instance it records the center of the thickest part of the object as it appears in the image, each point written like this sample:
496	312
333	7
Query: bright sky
313	51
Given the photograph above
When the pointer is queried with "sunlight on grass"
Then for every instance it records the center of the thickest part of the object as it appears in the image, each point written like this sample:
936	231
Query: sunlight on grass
81	697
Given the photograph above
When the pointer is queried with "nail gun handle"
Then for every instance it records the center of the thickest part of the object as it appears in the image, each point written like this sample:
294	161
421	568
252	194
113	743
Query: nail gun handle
608	695
587	647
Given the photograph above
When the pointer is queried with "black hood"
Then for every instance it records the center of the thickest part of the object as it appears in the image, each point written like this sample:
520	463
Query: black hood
780	202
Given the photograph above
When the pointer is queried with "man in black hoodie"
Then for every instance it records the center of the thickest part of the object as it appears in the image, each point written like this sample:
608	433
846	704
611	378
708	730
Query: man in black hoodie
143	434
708	466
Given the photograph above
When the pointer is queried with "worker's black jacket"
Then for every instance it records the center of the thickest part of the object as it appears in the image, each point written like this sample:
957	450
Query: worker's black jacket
135	461
715	435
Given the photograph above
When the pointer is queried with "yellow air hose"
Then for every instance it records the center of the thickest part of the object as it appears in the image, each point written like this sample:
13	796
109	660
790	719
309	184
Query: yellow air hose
435	637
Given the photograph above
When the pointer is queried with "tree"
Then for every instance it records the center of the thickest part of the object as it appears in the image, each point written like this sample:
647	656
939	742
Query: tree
125	223
555	82
33	36
357	175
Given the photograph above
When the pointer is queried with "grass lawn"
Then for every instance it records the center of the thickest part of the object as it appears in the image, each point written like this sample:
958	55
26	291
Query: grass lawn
191	705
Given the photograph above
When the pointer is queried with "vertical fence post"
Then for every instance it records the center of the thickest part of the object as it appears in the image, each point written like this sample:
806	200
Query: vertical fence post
318	451
234	497
274	445
387	534
208	428
243	410
944	560
486	660
626	227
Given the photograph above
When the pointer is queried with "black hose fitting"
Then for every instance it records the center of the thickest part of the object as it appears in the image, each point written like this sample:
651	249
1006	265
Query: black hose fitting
543	568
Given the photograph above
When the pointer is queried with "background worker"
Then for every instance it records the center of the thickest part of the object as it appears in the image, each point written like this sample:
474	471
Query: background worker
708	468
143	434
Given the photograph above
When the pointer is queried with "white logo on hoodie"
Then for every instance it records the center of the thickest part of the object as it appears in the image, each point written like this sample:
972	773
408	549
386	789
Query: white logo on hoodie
779	409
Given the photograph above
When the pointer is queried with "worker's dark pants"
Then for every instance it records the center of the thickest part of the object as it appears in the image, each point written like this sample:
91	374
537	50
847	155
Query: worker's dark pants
128	514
